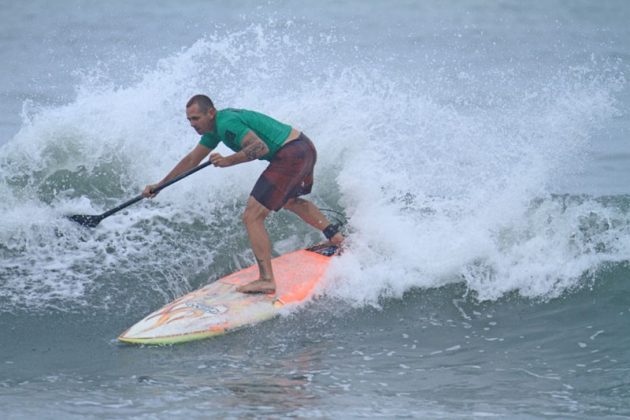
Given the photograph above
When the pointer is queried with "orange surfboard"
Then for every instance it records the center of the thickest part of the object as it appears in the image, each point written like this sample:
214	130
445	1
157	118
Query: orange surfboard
218	308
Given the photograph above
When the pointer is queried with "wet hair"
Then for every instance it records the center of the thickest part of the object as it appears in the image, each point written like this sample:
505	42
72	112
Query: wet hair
203	102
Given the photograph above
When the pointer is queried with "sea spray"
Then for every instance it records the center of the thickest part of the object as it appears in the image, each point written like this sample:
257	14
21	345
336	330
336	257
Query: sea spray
440	193
438	188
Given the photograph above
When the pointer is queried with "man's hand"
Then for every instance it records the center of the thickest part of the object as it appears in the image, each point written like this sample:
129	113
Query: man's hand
252	148
220	161
148	190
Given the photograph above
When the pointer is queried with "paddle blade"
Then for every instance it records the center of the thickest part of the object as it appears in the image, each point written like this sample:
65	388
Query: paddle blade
85	220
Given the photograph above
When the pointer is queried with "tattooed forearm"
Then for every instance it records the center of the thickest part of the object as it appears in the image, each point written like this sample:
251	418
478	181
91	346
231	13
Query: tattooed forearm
254	148
255	151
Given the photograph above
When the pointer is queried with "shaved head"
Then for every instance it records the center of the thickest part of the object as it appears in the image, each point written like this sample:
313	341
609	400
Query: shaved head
203	102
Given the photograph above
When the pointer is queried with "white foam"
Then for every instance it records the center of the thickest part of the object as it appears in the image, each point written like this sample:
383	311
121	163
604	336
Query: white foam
437	190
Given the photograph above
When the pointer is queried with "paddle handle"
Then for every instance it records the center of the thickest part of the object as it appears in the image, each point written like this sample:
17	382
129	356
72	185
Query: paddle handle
155	190
181	176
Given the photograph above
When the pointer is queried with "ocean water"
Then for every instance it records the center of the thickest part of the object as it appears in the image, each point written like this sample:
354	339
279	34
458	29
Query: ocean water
478	151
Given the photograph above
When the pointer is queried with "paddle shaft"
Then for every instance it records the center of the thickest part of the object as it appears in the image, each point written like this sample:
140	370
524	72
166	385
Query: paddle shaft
155	190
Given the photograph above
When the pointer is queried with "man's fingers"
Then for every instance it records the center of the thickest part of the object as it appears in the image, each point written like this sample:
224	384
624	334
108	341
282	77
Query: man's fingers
216	159
148	191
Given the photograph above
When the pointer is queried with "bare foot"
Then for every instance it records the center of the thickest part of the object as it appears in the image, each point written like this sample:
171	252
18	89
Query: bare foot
337	239
258	286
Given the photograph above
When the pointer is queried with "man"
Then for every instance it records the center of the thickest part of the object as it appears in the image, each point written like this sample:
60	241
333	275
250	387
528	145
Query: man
252	135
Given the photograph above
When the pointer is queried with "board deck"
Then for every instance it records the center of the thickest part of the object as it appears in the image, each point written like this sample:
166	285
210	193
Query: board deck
218	308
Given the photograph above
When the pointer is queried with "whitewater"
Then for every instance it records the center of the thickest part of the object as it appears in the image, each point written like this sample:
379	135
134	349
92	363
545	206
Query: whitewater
477	154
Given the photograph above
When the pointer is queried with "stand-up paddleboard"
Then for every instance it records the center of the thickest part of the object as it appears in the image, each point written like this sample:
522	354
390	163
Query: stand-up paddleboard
218	308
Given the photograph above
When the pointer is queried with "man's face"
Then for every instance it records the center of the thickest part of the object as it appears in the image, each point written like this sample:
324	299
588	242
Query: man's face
202	123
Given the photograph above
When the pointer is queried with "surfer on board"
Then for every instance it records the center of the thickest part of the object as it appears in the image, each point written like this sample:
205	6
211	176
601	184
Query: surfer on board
252	135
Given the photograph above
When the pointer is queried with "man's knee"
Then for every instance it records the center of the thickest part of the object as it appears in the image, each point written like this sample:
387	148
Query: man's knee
249	216
254	213
293	203
289	205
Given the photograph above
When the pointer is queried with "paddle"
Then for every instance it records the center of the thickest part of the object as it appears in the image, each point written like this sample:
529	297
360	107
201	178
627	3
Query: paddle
92	221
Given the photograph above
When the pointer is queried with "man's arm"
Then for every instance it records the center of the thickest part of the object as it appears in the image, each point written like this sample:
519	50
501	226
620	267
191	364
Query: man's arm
252	148
189	161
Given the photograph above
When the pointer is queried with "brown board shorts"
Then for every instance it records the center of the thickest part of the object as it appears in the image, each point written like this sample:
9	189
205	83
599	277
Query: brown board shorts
289	174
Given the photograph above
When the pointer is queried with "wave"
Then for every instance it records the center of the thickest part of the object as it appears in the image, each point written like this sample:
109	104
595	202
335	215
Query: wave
445	177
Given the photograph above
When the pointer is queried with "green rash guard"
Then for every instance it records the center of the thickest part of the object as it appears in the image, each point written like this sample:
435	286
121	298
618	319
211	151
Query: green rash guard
231	125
